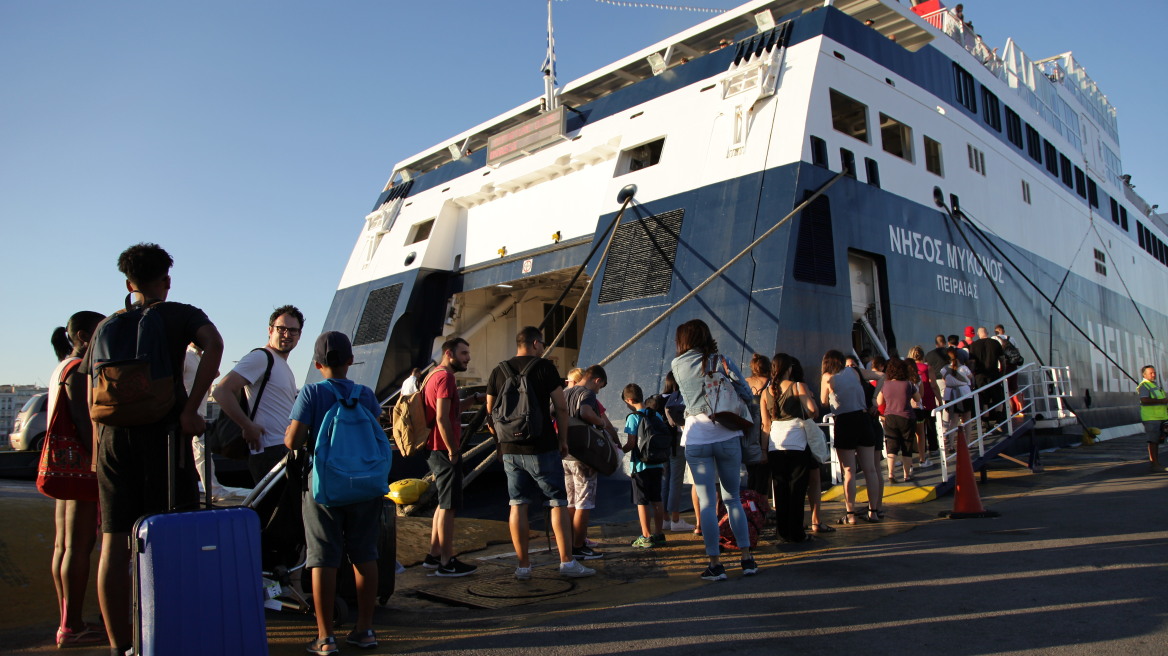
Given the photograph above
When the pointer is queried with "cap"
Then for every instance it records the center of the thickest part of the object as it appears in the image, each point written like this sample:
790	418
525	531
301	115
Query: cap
333	349
969	332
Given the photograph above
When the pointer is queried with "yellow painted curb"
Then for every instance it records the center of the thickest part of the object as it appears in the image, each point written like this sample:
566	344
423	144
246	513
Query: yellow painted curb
892	493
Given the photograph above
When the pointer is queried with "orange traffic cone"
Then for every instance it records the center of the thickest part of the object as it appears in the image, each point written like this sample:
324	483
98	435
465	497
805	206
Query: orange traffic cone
966	500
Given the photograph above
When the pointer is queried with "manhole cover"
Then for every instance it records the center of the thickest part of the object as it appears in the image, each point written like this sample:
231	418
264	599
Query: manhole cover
509	588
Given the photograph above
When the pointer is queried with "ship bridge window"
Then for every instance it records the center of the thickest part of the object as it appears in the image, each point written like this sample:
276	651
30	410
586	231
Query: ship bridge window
1092	193
896	137
640	157
420	232
1052	155
1114	211
1080	182
641	261
933	157
1014	127
966	88
1034	144
1123	217
849	116
992	109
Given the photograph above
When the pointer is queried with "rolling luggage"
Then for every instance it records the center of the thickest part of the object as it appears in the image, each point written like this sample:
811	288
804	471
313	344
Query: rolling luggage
197	580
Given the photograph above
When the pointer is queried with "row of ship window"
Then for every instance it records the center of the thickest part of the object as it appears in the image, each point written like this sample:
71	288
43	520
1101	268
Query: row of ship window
850	117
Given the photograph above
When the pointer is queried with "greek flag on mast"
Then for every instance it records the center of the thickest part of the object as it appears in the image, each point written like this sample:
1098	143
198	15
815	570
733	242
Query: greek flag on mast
549	66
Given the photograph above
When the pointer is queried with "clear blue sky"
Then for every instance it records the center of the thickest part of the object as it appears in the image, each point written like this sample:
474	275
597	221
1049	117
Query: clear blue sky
251	138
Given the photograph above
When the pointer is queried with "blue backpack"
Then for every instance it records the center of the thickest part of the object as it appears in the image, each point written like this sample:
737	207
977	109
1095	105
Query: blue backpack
352	456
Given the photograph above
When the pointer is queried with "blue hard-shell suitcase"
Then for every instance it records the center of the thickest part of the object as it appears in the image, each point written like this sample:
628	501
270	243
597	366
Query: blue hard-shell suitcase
198	585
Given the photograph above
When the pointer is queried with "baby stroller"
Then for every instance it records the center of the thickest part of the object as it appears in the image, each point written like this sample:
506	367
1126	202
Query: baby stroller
277	500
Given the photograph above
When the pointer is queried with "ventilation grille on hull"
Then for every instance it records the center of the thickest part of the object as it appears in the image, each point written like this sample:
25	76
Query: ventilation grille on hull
640	263
815	251
378	312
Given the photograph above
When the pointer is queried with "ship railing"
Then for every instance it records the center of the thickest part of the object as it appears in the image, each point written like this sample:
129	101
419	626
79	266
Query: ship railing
1031	390
946	21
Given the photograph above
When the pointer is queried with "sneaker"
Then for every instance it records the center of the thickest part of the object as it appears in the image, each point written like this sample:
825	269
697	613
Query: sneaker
927	463
643	542
586	553
749	568
658	540
573	569
714	573
680	525
455	568
89	634
591	543
398	568
523	573
431	562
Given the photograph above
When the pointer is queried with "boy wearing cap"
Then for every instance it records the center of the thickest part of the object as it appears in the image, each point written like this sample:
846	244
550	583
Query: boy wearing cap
331	531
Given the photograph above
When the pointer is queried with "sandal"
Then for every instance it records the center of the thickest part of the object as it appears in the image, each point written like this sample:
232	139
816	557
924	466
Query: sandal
88	634
822	528
874	516
320	647
892	481
366	639
849	518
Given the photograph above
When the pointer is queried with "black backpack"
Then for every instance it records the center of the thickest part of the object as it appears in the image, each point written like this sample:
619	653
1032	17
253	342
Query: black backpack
654	439
1013	355
516	414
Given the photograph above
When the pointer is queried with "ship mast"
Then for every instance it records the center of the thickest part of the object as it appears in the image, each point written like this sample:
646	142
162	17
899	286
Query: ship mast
550	100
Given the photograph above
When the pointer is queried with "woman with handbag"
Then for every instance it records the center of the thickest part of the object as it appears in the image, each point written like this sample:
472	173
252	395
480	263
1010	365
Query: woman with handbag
841	389
716	403
68	440
785	406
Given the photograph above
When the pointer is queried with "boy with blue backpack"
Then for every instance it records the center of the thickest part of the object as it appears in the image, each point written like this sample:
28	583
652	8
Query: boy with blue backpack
649	443
351	457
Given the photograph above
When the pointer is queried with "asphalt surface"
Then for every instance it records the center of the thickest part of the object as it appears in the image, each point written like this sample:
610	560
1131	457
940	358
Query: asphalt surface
1076	564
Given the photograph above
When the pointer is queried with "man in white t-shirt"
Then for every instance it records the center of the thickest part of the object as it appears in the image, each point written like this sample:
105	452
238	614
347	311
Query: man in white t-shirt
264	434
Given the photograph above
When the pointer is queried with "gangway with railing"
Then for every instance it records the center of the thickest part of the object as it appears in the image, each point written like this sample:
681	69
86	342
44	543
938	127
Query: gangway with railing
1029	395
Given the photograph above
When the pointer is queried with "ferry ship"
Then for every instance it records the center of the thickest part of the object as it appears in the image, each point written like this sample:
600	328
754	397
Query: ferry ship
950	185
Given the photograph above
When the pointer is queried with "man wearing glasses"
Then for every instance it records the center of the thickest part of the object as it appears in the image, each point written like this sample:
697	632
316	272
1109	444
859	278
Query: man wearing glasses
264	369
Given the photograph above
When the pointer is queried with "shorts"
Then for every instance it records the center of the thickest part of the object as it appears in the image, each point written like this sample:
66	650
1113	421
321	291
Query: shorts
132	476
1153	430
899	435
351	529
647	486
533	478
854	430
580	484
447	480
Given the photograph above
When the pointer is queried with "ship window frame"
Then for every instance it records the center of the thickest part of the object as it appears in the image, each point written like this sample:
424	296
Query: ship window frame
1033	143
1065	169
1092	193
1114	210
976	158
900	134
631	160
934	157
848	162
819	152
1014	128
841	113
420	231
872	170
1123	217
1026	192
965	88
1050	156
1080	182
991	109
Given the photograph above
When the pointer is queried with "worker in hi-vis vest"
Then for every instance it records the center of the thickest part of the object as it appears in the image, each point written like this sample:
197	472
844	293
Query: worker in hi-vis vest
1153	412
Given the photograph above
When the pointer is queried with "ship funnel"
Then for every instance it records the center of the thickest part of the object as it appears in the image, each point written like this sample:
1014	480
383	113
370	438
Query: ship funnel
939	198
626	193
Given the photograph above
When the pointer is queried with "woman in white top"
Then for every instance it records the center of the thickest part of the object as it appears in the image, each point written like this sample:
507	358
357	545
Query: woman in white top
784	404
712	451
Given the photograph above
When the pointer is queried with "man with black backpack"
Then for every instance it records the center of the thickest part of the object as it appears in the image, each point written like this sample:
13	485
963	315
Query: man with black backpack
520	392
135	422
270	386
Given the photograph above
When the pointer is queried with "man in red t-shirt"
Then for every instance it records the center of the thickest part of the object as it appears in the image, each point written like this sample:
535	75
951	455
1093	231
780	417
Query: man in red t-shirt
443	411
